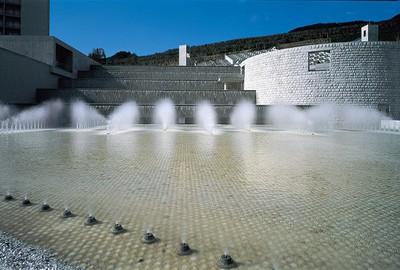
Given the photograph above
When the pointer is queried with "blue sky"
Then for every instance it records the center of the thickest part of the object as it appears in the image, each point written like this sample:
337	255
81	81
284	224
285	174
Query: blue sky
149	26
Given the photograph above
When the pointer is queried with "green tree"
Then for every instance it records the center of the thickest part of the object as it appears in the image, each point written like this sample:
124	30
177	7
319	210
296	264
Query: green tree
99	55
122	54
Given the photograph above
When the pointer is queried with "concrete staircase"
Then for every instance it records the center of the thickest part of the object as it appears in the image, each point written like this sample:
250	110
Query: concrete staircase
106	87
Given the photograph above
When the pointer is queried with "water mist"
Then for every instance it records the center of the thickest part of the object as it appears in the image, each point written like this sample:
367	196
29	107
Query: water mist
243	115
206	116
123	117
164	114
83	116
46	115
323	118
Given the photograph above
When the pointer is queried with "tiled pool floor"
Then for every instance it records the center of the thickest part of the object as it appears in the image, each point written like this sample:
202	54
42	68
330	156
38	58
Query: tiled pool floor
271	199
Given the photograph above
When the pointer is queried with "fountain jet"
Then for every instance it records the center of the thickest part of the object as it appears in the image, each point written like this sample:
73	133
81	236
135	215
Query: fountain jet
123	117
243	115
5	112
45	115
206	116
83	116
164	114
323	118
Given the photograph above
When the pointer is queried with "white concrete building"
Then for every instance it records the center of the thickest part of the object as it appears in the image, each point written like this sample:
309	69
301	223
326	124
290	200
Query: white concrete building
349	73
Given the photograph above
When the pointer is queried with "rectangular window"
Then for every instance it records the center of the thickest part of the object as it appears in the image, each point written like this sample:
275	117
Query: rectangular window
64	58
365	33
319	61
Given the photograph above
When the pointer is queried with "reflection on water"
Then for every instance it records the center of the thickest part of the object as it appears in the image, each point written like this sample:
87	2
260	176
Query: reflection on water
270	199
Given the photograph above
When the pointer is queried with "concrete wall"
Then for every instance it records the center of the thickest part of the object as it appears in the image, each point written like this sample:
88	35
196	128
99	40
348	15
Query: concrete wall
29	62
20	76
43	49
360	73
35	17
39	48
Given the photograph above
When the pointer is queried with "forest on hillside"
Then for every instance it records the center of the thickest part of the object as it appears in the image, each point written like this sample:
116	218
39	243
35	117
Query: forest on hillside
389	30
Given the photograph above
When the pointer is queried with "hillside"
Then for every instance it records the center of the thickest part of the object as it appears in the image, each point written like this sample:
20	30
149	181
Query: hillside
389	30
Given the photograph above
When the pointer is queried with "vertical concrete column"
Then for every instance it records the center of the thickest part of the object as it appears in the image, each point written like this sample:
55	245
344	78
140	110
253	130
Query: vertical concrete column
184	56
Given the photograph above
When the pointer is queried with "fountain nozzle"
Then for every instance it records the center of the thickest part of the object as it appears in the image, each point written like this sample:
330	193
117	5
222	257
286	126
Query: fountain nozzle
91	220
226	262
117	229
67	213
183	249
26	202
8	197
148	238
45	207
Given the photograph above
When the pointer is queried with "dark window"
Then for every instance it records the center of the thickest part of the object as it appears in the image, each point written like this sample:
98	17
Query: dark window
318	61
63	58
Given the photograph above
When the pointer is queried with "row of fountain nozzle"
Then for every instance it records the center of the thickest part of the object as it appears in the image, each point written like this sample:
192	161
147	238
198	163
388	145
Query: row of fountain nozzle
225	261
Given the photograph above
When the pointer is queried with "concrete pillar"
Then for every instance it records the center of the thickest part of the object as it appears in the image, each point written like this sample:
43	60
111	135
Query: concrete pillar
184	56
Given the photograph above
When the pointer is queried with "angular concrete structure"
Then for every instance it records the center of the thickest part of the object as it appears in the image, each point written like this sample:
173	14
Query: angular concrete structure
30	58
31	62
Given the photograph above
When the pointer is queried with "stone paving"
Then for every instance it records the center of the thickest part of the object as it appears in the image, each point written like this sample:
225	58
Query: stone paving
271	199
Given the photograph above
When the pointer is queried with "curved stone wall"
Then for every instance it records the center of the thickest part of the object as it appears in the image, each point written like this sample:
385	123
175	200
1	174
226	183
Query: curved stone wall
356	73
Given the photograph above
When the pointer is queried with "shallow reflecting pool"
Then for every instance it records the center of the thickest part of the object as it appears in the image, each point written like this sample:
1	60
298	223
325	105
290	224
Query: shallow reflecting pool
271	199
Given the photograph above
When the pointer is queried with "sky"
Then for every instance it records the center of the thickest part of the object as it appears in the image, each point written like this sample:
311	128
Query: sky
146	27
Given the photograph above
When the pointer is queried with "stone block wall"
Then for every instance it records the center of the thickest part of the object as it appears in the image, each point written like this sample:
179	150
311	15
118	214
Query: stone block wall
358	73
